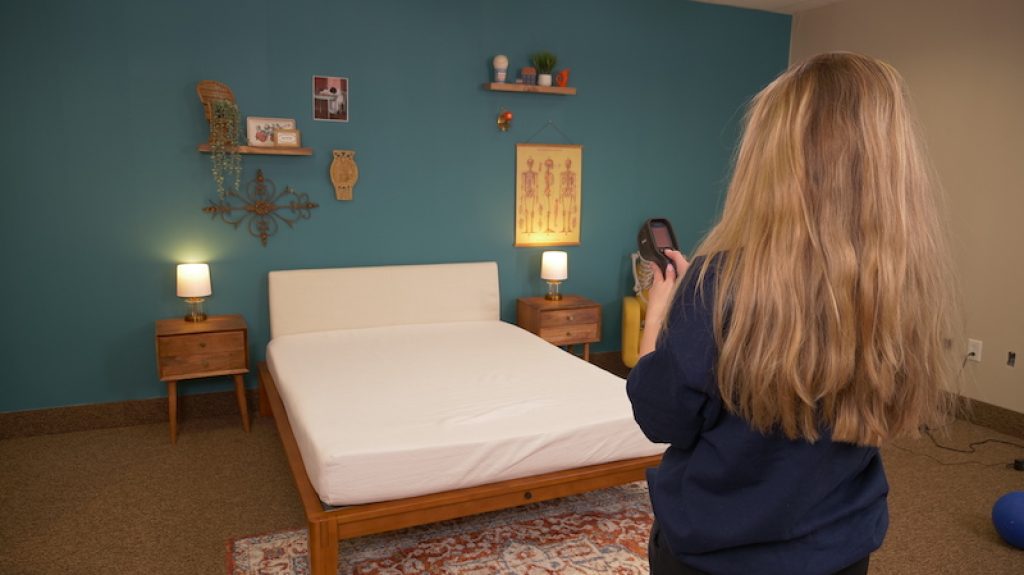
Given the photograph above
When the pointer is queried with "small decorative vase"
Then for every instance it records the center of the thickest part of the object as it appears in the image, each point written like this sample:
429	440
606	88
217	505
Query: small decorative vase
500	64
543	79
562	78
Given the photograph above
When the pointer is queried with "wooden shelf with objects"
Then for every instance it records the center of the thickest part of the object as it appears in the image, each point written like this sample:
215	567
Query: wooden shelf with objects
267	150
529	88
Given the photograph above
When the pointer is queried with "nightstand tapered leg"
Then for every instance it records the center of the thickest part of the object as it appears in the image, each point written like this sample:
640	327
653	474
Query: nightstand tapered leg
172	408
586	352
243	406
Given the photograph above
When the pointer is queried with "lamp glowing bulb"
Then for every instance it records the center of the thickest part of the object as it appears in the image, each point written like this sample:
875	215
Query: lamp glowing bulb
194	286
554	268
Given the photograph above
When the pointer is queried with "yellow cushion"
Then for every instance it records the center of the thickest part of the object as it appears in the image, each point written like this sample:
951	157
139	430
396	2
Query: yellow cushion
633	310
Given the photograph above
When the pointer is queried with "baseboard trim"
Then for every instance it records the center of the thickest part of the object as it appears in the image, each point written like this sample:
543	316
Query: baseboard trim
146	411
977	412
993	417
140	412
119	414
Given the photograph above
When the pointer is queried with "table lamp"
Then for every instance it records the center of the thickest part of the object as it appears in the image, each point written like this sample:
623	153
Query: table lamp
554	268
194	285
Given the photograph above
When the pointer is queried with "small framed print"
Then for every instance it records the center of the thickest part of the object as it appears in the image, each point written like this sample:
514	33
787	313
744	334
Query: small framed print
330	98
260	131
287	138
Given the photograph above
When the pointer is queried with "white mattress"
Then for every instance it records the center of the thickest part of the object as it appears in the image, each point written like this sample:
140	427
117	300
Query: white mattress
391	412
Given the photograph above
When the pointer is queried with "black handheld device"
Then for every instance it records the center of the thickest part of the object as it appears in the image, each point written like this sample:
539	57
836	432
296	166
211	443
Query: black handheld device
655	237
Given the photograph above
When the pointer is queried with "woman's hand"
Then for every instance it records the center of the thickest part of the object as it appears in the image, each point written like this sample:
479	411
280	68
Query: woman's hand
660	294
659	298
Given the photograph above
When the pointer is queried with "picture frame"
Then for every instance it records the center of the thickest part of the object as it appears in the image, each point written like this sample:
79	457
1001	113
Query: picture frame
549	193
287	138
331	101
259	131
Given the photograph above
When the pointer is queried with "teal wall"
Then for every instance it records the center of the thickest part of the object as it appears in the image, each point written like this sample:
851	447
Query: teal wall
103	186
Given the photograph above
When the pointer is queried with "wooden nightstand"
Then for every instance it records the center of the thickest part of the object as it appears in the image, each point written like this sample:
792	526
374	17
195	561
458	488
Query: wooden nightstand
190	350
568	321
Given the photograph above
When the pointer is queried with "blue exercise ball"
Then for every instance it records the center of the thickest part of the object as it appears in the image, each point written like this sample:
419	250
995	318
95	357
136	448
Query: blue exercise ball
1008	517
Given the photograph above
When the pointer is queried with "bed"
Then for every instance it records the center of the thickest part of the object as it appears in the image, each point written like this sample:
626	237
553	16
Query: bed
402	399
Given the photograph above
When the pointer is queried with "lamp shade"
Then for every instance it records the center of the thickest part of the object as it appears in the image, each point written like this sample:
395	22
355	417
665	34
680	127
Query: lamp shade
554	266
194	280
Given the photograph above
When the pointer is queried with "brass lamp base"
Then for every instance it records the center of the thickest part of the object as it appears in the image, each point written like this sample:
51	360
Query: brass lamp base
195	309
553	294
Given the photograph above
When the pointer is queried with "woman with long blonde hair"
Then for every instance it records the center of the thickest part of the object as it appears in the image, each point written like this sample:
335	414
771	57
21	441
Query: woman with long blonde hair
816	322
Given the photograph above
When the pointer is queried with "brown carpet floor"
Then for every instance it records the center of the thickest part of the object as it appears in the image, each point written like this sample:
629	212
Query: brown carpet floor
125	500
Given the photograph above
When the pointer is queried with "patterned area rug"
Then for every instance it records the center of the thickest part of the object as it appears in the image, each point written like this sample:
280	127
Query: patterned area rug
599	532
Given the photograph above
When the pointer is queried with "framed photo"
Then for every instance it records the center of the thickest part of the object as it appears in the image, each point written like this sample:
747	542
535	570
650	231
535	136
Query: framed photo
549	188
260	131
330	98
287	138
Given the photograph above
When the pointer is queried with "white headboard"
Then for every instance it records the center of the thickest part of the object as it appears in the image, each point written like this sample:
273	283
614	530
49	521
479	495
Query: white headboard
345	298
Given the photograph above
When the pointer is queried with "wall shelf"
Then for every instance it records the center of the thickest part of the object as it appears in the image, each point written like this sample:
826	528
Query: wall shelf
532	89
268	151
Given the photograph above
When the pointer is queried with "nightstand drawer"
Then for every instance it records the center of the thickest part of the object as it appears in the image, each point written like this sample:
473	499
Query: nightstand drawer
201	343
571	334
560	317
186	364
569	321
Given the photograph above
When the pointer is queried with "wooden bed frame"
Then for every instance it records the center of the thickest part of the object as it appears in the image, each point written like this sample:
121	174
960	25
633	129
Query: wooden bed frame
343	298
328	527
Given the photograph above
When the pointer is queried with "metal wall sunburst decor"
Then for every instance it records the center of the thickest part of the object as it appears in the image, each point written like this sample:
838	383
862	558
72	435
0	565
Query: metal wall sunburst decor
262	207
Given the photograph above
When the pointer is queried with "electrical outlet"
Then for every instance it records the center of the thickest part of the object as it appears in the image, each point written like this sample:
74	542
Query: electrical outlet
974	349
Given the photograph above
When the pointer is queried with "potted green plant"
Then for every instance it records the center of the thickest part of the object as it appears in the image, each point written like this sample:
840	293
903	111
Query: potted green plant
225	130
545	64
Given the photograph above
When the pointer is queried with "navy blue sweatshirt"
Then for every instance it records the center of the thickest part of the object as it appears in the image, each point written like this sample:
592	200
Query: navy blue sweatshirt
730	499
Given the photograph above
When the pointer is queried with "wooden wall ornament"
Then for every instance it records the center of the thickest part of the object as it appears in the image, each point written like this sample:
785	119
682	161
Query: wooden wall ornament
262	207
344	173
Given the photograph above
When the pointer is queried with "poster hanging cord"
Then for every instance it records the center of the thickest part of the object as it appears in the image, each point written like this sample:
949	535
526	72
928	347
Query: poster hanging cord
546	126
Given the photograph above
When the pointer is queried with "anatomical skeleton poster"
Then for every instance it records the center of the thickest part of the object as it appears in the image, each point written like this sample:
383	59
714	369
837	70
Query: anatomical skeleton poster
549	186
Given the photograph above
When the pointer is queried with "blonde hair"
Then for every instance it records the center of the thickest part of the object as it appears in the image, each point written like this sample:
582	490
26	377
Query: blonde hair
835	304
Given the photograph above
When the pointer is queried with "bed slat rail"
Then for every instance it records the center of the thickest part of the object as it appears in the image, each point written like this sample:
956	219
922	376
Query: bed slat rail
310	500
